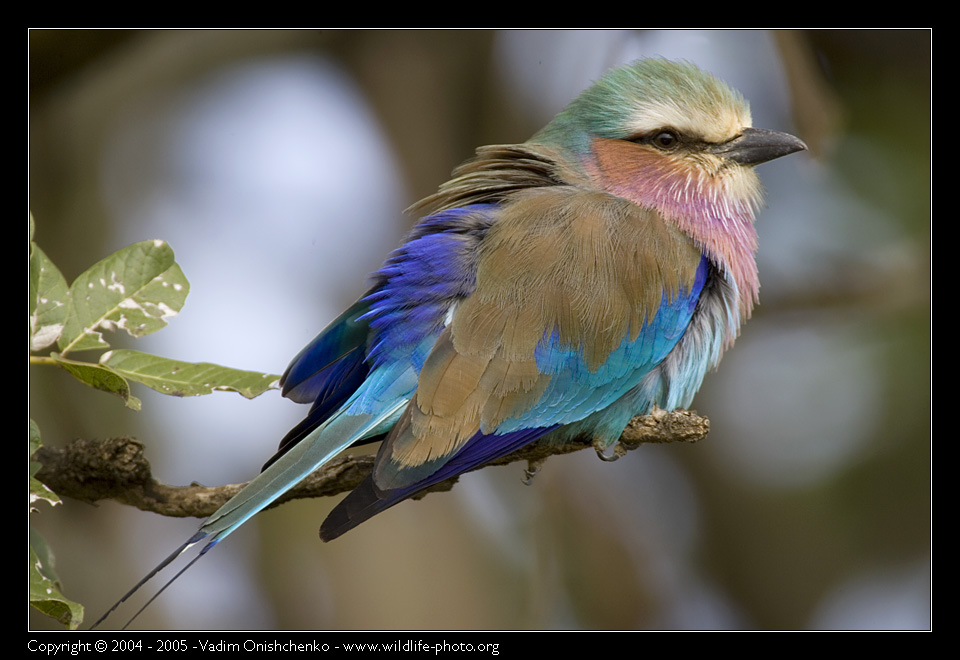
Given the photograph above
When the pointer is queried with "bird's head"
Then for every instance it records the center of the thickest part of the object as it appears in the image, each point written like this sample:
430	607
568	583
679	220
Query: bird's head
662	133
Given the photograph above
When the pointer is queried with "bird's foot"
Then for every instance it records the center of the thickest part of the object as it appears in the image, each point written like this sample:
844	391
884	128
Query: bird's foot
533	467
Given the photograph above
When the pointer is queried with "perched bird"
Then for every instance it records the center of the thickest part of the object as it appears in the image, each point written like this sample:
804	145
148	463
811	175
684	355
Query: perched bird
551	289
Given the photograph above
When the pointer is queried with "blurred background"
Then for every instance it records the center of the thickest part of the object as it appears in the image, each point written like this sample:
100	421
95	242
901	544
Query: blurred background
277	164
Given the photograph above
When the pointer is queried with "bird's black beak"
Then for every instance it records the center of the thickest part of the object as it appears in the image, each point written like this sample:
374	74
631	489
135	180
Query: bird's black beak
758	145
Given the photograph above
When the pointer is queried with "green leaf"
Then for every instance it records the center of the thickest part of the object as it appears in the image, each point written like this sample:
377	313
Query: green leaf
186	378
38	490
100	378
135	289
49	300
45	590
35	442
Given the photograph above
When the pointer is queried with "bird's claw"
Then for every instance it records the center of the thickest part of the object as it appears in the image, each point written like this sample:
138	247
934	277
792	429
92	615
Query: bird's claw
616	454
533	467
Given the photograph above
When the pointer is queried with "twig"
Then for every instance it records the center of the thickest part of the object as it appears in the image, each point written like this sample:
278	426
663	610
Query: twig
93	470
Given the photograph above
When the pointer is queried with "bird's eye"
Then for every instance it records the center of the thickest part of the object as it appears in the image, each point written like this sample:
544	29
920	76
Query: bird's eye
666	140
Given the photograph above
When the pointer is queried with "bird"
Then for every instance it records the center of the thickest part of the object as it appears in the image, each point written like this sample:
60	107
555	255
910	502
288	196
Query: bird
549	290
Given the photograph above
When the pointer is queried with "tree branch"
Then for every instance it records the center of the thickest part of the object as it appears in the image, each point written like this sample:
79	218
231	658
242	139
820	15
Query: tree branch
93	470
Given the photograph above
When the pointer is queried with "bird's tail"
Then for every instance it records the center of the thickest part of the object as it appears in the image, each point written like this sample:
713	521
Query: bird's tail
159	567
324	443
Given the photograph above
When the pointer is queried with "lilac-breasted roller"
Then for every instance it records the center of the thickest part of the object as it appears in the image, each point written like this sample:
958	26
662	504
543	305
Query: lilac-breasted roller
550	289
